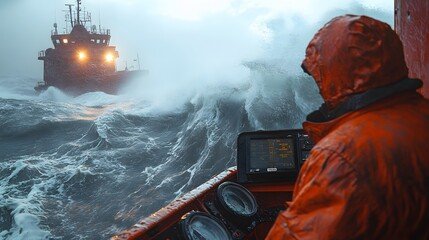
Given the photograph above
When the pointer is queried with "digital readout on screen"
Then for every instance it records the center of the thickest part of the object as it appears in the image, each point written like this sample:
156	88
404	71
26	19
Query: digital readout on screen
271	154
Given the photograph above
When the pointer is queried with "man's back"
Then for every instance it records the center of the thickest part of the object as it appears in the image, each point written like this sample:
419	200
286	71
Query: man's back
389	154
367	176
372	185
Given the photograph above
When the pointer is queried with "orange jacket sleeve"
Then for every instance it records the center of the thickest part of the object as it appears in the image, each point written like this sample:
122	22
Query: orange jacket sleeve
321	197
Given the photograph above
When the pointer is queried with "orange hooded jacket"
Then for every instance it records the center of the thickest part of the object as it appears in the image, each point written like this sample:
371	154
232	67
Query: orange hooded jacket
367	177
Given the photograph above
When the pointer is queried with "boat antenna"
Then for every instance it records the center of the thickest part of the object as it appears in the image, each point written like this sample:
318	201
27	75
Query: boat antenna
99	20
55	22
78	10
138	60
71	15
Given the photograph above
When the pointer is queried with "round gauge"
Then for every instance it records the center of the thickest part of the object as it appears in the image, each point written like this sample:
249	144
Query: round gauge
236	200
200	226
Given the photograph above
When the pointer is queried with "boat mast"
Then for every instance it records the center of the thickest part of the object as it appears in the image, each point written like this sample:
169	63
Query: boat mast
78	11
71	15
138	60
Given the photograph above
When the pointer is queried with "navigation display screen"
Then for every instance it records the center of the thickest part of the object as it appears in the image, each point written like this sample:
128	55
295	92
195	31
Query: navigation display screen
271	155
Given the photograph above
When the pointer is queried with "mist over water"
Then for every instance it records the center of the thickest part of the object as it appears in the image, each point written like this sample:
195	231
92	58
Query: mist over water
87	167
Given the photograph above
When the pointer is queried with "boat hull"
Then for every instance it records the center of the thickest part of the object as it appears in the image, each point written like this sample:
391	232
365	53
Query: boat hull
109	83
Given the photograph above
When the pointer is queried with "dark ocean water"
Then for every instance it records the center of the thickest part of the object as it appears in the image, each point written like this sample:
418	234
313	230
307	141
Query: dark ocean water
89	166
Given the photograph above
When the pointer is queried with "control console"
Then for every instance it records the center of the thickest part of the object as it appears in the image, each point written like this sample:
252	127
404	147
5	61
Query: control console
267	156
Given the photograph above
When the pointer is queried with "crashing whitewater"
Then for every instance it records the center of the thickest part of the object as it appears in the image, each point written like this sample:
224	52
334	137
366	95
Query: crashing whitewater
87	167
90	166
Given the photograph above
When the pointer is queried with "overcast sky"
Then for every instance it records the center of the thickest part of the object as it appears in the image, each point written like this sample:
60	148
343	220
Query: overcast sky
176	34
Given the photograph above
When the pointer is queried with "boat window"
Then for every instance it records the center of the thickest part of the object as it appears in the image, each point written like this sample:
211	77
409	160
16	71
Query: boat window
57	41
104	40
92	40
65	40
98	40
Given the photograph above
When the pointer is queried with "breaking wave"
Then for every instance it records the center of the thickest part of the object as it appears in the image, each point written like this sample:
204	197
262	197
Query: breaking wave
87	167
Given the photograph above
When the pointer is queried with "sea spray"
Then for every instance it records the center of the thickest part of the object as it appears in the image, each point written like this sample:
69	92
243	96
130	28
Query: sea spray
86	167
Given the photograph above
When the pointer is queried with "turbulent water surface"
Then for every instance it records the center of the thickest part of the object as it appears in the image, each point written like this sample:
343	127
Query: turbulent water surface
87	167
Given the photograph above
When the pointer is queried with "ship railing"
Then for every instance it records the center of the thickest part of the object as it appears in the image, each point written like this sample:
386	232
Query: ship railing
42	53
101	31
91	30
54	32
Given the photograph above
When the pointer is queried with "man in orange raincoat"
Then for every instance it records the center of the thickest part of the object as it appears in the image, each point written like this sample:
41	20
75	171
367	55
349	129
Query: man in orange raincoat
367	176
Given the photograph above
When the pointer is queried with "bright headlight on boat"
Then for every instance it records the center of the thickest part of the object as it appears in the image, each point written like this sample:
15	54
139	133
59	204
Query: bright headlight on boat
109	57
81	56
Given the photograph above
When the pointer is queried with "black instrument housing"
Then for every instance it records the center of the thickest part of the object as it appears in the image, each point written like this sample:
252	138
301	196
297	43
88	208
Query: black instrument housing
281	153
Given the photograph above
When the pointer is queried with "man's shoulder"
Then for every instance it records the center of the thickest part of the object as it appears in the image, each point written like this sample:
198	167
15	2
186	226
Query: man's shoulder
356	137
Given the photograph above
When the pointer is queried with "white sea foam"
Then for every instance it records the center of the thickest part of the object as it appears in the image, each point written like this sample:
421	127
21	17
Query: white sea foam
95	99
210	77
26	208
54	94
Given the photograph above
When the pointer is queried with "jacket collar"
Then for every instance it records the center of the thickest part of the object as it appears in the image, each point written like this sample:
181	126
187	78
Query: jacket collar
320	122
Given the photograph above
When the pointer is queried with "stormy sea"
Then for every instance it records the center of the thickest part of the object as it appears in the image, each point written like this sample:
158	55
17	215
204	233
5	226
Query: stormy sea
87	167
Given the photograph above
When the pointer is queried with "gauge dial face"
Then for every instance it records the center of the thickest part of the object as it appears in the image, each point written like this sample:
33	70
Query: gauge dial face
199	226
238	201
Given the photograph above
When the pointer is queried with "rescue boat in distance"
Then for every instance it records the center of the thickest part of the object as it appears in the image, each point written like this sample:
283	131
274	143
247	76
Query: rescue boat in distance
82	60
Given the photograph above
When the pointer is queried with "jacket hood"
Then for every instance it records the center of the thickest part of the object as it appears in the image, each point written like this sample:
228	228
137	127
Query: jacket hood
352	54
